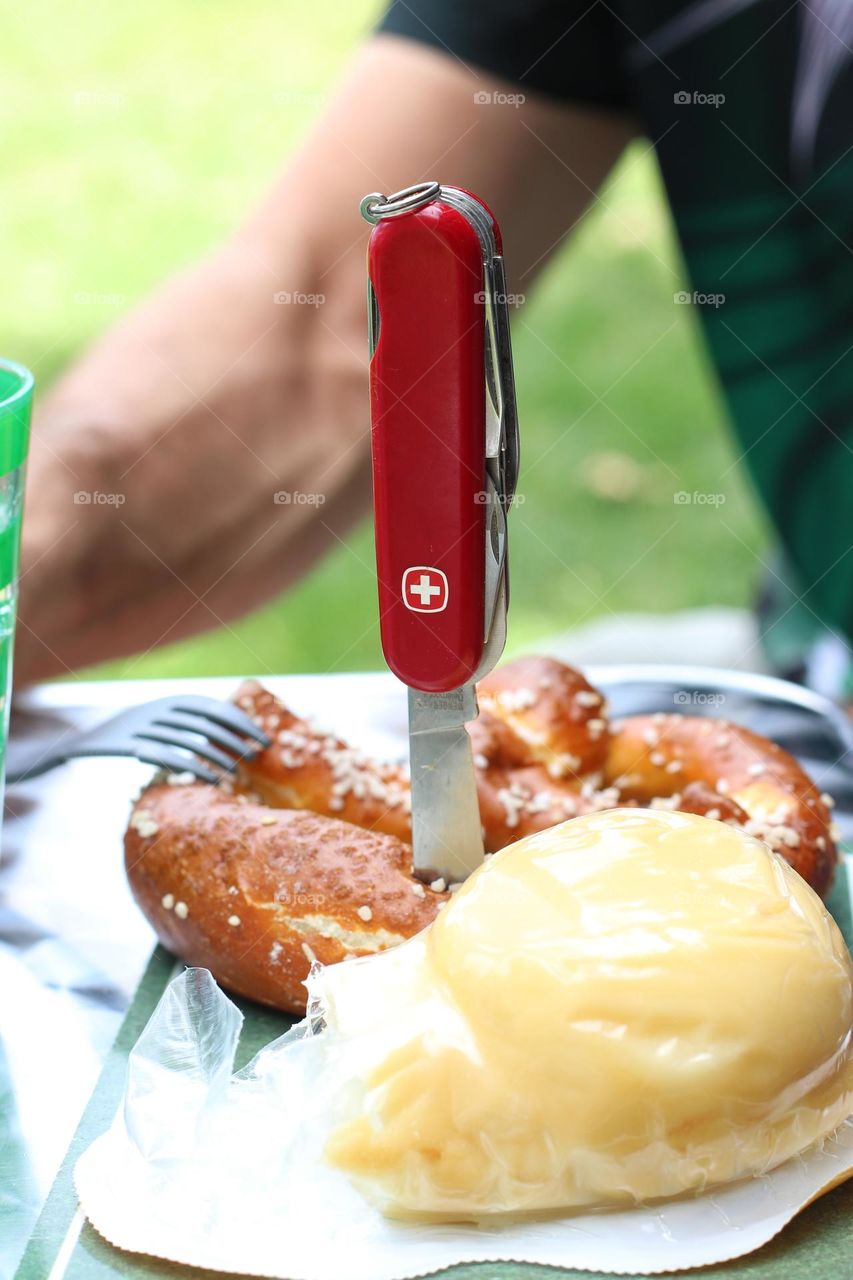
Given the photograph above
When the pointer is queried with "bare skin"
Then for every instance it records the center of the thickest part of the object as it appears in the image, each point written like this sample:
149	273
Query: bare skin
211	397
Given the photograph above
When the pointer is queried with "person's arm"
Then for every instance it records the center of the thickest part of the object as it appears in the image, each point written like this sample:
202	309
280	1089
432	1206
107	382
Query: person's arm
182	424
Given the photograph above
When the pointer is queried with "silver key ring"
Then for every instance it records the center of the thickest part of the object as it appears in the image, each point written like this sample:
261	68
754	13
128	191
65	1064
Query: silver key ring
376	206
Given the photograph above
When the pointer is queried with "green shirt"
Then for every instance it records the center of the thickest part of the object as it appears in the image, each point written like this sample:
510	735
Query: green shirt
749	104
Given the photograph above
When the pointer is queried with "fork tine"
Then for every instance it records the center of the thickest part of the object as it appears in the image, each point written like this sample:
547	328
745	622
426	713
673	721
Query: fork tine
184	742
197	723
162	758
222	713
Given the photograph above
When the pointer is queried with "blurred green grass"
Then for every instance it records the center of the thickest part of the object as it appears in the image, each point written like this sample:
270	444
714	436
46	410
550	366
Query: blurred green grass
136	136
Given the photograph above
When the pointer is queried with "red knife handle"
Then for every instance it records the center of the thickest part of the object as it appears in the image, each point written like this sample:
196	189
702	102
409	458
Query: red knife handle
427	397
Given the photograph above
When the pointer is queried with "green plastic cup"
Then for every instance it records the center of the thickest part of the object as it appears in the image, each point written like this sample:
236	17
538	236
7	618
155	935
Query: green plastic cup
16	397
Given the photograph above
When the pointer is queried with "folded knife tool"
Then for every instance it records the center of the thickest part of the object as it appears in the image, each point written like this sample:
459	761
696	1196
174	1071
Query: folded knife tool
444	438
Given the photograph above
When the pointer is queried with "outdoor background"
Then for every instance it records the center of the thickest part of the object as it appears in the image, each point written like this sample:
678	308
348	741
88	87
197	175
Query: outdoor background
135	139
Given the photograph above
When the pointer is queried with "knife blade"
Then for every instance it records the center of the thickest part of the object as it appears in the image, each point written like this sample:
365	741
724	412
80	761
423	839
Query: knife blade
447	835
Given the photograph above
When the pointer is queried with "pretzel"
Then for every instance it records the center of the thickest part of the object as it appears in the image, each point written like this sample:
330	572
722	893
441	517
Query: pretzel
308	768
545	751
539	741
306	855
721	770
257	895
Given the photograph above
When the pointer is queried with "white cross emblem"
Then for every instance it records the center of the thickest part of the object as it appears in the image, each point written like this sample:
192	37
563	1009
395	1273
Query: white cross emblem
425	589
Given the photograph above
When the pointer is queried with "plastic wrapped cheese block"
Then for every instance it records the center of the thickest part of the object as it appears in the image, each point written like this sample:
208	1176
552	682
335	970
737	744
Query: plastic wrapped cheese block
632	1005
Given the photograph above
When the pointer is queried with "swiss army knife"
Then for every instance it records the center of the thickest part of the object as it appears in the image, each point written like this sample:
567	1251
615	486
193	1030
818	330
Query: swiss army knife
444	437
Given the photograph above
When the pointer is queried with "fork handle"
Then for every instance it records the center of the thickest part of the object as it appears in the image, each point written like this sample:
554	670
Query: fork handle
28	760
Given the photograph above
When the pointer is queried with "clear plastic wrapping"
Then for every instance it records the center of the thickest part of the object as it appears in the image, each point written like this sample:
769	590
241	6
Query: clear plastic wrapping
610	1017
627	1007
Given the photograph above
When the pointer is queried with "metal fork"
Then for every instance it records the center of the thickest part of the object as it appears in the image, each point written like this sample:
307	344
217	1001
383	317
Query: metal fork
177	734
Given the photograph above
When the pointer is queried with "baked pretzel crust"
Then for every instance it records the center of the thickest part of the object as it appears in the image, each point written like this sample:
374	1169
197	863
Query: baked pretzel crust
256	894
306	855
